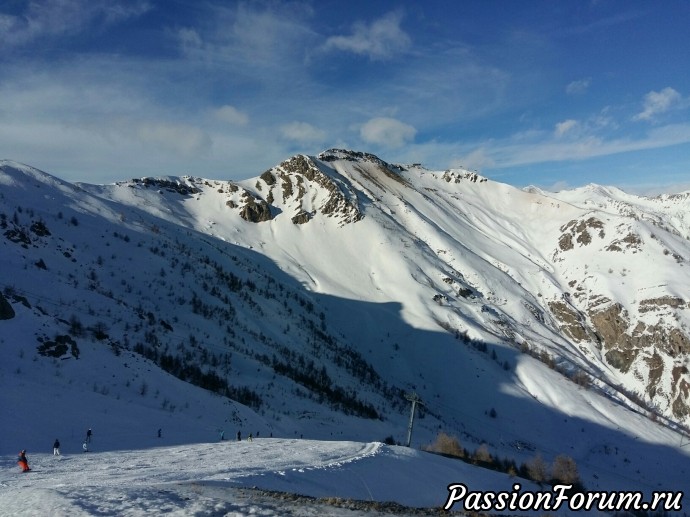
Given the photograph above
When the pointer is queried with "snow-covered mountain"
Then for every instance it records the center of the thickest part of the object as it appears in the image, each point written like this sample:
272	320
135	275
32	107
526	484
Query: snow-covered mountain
314	297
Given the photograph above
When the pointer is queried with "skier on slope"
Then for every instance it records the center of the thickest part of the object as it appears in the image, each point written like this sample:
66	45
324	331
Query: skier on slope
56	447
88	436
23	462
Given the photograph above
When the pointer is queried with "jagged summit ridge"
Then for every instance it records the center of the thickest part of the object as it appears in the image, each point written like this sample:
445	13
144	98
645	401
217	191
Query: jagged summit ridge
353	156
304	188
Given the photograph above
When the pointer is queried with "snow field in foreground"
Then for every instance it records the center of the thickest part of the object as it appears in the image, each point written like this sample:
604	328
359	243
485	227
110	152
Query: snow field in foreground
205	479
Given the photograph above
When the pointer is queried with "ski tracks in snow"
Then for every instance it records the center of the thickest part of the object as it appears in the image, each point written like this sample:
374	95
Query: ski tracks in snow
140	481
367	450
268	477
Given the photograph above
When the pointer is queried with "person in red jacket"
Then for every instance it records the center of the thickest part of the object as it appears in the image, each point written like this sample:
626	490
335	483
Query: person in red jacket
23	462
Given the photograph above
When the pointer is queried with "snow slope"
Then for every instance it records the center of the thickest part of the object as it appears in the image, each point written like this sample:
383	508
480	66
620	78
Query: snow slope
203	479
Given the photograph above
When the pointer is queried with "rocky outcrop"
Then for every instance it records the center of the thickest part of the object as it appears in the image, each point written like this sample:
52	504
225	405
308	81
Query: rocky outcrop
457	176
296	188
629	242
663	302
632	346
170	186
268	178
301	218
565	242
581	231
610	324
6	310
300	175
572	323
679	405
255	211
58	347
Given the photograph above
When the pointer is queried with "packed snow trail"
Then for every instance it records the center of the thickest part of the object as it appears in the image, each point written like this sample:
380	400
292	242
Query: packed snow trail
226	461
210	479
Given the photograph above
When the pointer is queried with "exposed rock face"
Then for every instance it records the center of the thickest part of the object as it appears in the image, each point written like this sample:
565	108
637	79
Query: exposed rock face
680	406
654	304
268	178
613	326
6	310
301	218
572	322
646	339
565	243
255	211
168	185
452	176
610	324
630	241
297	188
39	228
635	346
299	176
59	346
581	231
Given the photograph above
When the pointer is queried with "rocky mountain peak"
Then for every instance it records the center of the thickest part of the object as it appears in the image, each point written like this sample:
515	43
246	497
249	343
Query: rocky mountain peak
301	188
593	277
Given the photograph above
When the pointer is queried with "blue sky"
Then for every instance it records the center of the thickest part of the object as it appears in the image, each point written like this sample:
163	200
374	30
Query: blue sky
549	93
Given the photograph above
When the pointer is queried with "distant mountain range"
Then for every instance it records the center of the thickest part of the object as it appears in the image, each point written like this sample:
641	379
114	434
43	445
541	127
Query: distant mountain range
319	293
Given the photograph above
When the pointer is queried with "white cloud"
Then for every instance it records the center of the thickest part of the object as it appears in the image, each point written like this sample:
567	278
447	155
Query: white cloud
656	189
578	87
115	12
565	127
254	35
388	132
181	138
381	39
302	132
231	115
558	186
656	103
540	148
189	40
476	159
50	18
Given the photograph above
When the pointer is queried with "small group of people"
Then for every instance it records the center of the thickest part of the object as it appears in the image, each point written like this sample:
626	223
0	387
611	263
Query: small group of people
239	435
23	462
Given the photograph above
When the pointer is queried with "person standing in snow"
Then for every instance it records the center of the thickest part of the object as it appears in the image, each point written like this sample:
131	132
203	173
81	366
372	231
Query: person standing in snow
88	436
239	436
56	448
22	461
